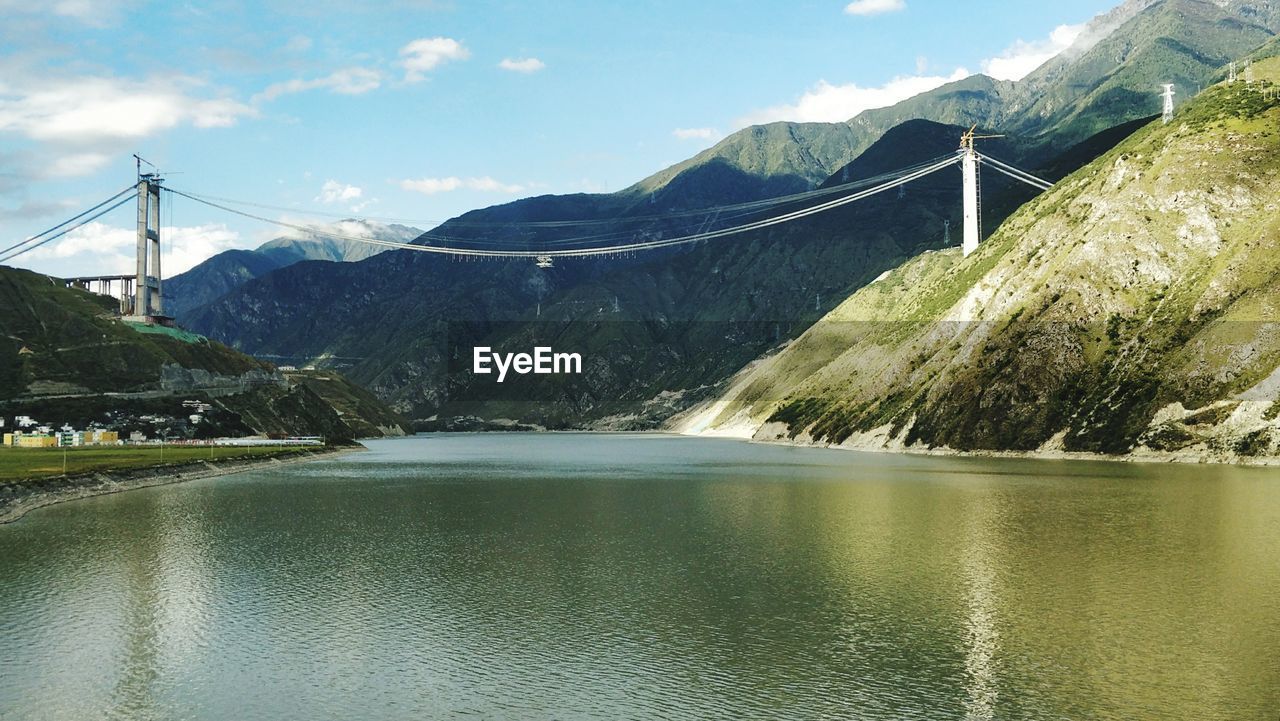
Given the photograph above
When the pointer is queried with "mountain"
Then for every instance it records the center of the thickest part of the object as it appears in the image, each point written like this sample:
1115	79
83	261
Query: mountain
1110	75
1130	309
696	315
231	269
660	330
316	246
66	358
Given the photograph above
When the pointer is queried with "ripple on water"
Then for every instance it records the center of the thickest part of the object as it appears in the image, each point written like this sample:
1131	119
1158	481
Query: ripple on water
589	577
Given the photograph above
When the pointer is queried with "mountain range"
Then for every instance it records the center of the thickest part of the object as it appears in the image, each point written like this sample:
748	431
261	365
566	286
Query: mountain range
228	270
668	329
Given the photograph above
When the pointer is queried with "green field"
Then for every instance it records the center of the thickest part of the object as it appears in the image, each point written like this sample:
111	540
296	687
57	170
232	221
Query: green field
20	463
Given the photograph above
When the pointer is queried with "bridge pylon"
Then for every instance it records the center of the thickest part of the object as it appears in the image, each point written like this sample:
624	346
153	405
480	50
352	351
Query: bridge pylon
972	198
148	299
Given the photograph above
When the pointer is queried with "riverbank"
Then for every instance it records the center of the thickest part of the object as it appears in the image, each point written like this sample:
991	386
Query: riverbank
19	497
881	441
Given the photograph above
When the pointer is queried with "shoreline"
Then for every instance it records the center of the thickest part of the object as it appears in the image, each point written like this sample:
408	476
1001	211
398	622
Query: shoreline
1184	459
22	497
1207	458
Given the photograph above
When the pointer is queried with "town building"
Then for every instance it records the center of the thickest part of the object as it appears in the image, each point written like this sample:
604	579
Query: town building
19	439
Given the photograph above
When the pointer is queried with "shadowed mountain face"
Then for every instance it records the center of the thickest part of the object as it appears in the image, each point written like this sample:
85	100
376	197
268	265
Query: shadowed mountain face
231	269
706	310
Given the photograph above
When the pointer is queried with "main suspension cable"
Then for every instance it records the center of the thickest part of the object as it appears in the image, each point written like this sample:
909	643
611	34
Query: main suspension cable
598	250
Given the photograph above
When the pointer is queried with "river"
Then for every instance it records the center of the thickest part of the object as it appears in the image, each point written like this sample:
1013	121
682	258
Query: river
579	576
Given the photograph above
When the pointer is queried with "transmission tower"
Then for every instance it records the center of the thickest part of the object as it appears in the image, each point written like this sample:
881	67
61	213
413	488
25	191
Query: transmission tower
1248	73
1231	72
946	233
1168	103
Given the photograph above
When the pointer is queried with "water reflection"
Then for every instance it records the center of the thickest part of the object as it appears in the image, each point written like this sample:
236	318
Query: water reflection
588	577
979	561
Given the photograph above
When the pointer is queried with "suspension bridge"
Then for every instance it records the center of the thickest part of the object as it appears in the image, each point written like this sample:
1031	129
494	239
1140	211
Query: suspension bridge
141	298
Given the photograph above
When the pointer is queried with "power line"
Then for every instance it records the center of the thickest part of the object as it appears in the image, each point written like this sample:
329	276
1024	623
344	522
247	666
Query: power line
558	247
744	206
1018	173
61	233
15	246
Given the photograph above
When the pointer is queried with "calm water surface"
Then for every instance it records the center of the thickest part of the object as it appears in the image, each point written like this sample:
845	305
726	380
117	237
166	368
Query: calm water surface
617	577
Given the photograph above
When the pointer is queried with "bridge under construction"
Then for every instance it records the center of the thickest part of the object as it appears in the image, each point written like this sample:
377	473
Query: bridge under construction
141	293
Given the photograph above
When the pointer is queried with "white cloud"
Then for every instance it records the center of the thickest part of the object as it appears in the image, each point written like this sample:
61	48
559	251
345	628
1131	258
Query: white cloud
334	192
95	13
93	110
431	186
827	103
186	247
80	123
1017	61
348	81
74	165
426	54
696	133
874	7
522	65
109	249
349	226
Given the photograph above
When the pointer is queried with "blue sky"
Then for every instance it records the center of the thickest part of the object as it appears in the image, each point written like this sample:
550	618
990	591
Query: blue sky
422	109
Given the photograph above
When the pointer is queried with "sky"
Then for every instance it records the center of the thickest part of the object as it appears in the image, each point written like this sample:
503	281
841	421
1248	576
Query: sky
418	110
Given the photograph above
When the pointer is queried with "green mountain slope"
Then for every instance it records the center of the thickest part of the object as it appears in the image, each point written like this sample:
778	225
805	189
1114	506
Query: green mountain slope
1133	308
1111	75
65	358
1185	42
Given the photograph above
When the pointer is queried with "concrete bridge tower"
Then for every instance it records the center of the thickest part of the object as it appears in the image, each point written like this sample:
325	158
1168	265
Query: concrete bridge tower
148	299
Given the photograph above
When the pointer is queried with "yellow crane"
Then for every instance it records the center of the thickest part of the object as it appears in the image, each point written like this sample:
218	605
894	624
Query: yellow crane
966	140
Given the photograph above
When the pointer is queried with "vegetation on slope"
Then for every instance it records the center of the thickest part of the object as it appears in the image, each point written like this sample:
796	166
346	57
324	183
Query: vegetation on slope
65	358
1129	306
55	339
